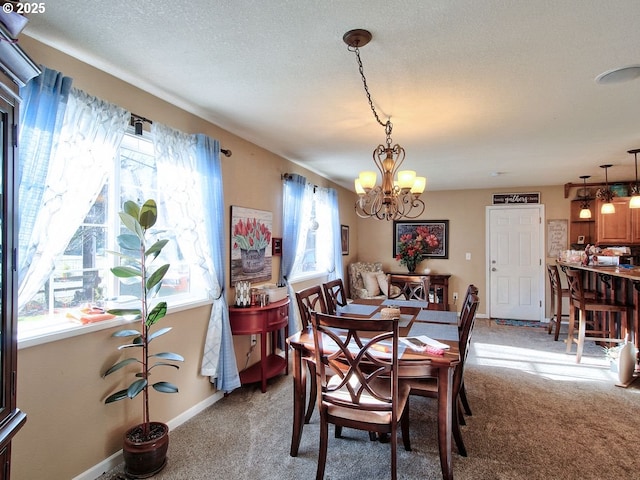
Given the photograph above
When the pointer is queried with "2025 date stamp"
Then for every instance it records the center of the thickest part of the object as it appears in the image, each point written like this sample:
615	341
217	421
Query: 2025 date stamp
23	8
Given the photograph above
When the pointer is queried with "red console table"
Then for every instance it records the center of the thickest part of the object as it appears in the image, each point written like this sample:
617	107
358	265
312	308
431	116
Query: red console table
269	319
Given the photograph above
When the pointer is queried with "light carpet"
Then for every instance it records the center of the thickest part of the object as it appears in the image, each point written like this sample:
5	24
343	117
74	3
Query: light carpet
536	415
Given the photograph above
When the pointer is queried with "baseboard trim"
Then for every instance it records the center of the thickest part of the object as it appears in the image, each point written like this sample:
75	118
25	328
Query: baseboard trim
116	459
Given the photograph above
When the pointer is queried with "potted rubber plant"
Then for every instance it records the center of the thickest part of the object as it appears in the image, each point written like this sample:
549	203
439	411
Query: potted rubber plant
145	445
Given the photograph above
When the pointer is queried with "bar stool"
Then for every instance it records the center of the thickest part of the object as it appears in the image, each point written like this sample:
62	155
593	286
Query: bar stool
602	333
557	294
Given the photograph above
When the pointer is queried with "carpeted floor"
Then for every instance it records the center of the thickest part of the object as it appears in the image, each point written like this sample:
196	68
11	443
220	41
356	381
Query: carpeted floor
536	415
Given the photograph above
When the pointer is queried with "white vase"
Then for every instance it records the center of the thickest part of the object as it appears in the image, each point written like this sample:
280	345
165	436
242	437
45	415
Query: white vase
626	363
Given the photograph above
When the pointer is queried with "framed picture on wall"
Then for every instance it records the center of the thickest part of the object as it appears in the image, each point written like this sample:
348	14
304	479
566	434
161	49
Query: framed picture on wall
251	250
438	228
344	238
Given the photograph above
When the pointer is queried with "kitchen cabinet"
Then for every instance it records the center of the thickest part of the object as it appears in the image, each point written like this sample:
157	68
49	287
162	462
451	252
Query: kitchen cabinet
620	228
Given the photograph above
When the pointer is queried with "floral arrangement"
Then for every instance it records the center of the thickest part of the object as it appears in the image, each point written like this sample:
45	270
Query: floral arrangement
412	250
251	234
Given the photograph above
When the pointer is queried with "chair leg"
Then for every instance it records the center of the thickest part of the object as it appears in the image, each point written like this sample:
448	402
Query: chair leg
394	453
313	391
322	452
556	334
582	328
461	419
572	320
463	399
404	426
551	320
457	435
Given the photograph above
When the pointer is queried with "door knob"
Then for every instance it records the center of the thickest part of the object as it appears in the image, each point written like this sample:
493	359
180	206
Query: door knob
494	269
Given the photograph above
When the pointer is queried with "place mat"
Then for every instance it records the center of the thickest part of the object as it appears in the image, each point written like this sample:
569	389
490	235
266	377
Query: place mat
437	316
435	330
356	309
405	319
404	303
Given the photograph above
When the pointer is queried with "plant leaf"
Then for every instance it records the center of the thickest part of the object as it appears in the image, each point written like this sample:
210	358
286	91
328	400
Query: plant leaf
132	224
162	331
156	248
136	387
169	356
157	276
163	364
148	214
121	312
159	311
120	364
131	208
125	333
114	397
126	272
130	242
165	387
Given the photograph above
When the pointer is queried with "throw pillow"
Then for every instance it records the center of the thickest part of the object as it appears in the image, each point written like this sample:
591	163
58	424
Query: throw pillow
371	283
382	282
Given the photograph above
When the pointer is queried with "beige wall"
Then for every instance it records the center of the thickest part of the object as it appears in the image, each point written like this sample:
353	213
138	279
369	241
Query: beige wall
69	429
466	211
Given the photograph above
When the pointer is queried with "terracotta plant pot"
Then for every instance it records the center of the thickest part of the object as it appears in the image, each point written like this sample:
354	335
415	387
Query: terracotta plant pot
145	459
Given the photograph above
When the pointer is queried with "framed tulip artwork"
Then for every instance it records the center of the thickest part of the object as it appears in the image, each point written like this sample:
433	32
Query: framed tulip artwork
251	244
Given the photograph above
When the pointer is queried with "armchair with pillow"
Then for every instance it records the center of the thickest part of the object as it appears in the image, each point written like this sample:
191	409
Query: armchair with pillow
367	280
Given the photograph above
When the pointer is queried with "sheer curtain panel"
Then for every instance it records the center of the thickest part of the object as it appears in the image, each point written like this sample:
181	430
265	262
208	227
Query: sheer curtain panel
92	130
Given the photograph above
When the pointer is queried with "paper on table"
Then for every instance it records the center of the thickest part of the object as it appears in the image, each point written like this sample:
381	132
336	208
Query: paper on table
424	339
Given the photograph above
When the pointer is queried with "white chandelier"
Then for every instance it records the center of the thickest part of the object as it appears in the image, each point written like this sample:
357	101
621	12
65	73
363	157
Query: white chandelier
394	198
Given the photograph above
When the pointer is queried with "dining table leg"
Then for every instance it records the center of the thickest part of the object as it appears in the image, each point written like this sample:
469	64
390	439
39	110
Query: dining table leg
445	412
299	394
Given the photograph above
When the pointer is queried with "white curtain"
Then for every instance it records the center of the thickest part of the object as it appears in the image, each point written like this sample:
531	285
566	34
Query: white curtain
178	166
91	132
324	216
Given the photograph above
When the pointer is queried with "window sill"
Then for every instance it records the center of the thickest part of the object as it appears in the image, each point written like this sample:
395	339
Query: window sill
54	331
308	276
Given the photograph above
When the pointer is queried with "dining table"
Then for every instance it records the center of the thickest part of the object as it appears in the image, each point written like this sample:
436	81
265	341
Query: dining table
415	320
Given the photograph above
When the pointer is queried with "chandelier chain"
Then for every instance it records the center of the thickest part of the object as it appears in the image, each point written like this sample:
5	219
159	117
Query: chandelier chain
388	125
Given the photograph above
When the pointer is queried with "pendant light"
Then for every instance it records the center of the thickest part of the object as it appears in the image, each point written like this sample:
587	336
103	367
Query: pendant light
635	191
607	207
394	198
585	212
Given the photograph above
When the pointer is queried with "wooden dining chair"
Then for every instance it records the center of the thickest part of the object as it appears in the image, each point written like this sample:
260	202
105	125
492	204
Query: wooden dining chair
364	392
411	287
310	300
465	315
557	294
428	387
605	330
334	295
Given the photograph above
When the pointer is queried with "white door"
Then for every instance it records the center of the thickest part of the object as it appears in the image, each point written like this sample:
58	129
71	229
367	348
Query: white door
515	262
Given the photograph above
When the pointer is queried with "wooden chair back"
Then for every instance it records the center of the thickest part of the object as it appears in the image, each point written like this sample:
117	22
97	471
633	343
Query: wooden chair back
310	300
411	287
334	295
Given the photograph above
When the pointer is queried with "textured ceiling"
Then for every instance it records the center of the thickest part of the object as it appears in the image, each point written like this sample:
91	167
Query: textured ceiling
473	87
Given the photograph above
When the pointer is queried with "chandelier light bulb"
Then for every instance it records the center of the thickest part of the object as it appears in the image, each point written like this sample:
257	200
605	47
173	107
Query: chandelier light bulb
367	180
406	179
419	185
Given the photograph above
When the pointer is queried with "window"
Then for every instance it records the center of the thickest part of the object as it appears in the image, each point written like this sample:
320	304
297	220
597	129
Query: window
81	279
317	255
